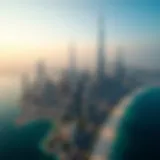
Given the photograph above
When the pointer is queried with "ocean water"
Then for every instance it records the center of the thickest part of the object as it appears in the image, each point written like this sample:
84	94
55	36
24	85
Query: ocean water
19	143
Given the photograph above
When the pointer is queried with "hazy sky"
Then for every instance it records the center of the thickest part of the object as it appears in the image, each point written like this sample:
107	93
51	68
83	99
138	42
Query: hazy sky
33	29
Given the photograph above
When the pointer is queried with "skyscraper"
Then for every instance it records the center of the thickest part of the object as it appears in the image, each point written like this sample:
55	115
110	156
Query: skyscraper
25	83
101	48
41	74
72	60
72	65
120	68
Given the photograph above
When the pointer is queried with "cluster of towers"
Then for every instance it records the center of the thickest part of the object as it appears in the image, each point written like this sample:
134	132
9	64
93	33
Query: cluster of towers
87	100
100	64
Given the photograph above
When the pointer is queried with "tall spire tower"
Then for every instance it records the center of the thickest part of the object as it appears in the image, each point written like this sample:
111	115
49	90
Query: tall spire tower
101	48
72	64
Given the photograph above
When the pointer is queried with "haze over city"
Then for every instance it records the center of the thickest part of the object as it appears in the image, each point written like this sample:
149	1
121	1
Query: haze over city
32	30
79	79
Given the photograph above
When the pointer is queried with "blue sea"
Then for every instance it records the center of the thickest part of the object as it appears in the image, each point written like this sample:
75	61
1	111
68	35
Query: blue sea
18	142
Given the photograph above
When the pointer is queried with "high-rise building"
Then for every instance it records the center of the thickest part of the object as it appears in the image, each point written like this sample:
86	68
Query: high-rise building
25	85
120	68
72	65
101	48
41	74
72	60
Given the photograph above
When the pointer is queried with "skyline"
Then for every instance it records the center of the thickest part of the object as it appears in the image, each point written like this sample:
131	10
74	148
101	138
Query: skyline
32	30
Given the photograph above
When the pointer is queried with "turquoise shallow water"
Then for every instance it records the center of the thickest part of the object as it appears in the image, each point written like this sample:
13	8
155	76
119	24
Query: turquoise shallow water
19	143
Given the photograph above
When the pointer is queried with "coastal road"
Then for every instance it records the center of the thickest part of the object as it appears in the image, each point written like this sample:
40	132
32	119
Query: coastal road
106	134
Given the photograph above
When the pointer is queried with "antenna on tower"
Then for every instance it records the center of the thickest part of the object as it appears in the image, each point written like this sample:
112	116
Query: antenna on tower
101	47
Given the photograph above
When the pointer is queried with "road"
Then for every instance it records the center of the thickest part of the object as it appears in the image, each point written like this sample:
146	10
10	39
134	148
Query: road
106	134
